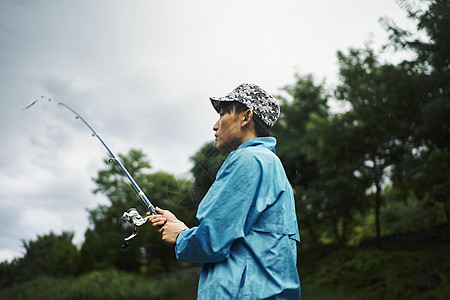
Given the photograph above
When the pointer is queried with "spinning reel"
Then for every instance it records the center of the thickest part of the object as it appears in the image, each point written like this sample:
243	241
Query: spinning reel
133	217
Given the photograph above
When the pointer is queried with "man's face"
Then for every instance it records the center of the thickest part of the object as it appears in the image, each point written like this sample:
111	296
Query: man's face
228	131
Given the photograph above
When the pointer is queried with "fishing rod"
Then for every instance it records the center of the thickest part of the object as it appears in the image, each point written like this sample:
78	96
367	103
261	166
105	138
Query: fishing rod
132	216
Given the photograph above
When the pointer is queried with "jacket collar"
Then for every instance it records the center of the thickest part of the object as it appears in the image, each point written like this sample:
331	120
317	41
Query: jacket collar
267	142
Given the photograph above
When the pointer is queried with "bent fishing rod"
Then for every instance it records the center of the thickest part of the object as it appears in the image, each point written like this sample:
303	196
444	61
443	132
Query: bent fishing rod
132	216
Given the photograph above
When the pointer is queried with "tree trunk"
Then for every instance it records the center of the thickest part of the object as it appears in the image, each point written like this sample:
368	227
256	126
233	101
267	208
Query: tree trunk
377	212
344	232
447	211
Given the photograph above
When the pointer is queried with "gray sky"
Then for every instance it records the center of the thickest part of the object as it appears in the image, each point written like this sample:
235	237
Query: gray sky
140	72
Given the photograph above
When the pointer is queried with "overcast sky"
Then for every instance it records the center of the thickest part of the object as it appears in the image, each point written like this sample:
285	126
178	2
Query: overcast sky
141	72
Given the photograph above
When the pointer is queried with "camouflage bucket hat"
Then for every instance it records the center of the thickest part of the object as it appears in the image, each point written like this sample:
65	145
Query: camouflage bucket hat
259	101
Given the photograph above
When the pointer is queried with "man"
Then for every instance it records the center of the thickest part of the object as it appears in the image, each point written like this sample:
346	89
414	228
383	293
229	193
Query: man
247	237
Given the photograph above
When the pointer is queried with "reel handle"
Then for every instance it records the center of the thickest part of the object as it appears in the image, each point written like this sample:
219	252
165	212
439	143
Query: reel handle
133	217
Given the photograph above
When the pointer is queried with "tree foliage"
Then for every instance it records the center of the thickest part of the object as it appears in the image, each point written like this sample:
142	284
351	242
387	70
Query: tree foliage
206	163
317	150
52	255
101	248
425	169
48	255
396	131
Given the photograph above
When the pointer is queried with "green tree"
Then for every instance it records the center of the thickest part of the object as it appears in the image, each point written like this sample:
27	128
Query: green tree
146	252
49	255
206	162
8	270
383	108
306	102
401	112
318	151
342	190
425	167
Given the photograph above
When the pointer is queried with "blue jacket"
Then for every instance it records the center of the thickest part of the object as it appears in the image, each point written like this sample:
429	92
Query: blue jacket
248	233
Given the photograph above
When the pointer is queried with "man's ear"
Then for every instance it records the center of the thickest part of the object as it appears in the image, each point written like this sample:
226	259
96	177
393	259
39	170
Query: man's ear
247	116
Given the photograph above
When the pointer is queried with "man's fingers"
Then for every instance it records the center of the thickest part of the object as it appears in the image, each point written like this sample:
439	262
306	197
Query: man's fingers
158	222
159	210
156	218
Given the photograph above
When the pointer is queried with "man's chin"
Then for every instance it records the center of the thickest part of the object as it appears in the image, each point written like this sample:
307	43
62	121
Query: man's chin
220	147
224	147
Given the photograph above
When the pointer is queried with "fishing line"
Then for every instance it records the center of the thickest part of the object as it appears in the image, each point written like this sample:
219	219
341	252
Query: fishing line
132	216
133	190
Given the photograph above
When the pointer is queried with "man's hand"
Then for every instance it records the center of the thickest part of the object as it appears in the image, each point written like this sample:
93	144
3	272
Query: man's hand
168	225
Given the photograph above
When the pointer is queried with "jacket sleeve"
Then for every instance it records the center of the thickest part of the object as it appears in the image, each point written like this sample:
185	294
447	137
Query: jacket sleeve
222	212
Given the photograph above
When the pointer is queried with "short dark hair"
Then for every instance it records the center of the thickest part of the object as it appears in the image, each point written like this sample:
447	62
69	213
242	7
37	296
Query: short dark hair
261	128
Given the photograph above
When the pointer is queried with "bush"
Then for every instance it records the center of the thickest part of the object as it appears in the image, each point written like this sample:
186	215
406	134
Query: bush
380	274
109	284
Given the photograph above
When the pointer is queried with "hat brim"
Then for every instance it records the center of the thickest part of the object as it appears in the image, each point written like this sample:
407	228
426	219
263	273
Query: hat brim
215	101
